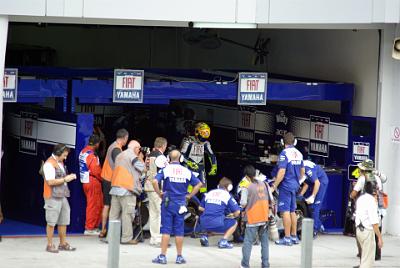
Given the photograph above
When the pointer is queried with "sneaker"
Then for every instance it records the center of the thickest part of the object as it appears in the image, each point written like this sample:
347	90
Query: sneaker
180	260
161	259
223	243
295	240
204	241
286	241
94	232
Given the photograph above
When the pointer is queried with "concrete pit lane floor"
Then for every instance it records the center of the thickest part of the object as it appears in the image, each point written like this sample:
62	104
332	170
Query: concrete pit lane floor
328	251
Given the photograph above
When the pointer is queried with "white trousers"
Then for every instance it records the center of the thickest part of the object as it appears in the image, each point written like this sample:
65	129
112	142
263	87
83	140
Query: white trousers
366	239
154	217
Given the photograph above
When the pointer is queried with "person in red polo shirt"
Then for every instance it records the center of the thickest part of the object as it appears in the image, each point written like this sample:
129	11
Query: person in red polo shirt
90	175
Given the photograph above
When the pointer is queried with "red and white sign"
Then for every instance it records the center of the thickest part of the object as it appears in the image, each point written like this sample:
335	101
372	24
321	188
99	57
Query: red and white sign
360	151
10	85
128	86
319	128
247	120
395	134
252	88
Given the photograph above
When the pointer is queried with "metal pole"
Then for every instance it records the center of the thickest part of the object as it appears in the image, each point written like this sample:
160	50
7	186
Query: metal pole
113	237
307	228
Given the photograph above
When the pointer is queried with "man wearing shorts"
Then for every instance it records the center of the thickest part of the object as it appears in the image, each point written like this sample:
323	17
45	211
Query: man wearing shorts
215	205
291	169
55	195
175	179
106	173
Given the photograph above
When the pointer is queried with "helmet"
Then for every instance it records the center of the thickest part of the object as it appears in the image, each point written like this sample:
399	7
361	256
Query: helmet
366	165
202	131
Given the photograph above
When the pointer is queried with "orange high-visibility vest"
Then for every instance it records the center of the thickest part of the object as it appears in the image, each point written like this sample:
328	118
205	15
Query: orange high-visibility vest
61	190
109	165
257	209
124	174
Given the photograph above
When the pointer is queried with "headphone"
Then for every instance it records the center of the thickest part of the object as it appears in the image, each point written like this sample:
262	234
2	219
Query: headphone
59	151
294	143
228	188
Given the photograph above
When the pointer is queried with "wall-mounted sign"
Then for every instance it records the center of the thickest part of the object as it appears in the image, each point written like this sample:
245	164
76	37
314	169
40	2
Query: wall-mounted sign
10	85
245	136
281	125
319	136
252	89
28	133
360	151
128	86
246	119
395	134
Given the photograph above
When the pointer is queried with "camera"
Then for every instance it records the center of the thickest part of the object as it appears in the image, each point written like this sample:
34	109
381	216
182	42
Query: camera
145	150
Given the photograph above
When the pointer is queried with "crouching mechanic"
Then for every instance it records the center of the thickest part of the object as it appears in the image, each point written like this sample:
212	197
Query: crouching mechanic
317	178
214	205
176	179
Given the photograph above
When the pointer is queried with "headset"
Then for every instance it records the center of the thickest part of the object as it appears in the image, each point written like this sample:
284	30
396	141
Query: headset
229	187
294	143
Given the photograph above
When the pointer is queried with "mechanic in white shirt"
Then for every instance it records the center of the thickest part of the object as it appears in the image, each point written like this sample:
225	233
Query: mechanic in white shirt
367	223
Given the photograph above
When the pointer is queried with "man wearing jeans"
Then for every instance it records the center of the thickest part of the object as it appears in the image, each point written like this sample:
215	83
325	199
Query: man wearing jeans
257	210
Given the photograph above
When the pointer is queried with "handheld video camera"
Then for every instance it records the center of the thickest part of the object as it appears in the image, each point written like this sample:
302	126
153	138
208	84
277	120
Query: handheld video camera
145	150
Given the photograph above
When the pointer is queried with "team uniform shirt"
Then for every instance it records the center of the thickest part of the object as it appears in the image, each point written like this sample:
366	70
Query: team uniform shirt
176	179
291	160
217	203
315	172
89	165
367	211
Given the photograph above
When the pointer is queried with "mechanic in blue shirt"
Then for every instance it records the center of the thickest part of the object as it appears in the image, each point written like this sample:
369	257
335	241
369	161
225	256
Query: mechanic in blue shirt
175	179
291	169
318	180
219	210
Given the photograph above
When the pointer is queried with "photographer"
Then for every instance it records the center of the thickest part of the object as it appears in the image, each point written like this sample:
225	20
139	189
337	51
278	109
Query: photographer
55	193
126	186
160	145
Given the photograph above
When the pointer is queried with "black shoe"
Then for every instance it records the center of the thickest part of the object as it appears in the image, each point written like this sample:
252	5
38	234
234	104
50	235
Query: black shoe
357	266
358	255
377	258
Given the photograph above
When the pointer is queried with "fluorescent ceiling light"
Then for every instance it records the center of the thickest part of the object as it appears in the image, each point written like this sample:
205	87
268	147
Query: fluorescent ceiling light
225	25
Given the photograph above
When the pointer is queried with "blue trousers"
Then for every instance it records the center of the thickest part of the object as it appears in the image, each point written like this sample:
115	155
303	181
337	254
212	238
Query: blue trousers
249	238
316	207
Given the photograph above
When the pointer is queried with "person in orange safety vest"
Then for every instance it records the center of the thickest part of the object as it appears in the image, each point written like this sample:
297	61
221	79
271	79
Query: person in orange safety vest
106	173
